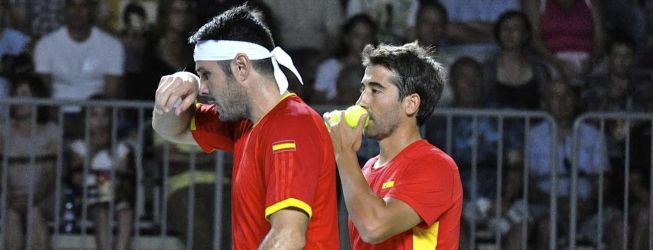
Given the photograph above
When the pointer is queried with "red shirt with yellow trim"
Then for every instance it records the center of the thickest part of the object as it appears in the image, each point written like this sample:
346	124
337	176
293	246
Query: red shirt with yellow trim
284	161
426	179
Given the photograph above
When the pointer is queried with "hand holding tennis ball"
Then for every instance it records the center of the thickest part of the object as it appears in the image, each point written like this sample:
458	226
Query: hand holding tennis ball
351	116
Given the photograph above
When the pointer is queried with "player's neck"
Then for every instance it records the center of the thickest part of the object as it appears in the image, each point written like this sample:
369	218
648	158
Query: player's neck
392	145
264	96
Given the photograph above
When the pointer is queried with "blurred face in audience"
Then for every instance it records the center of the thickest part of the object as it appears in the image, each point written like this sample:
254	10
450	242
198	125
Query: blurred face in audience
79	13
22	91
430	27
179	17
512	34
621	58
468	85
560	100
359	36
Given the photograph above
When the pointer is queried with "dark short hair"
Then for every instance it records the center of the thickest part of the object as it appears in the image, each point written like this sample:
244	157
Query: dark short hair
132	8
510	15
349	25
38	89
416	72
426	4
238	24
459	63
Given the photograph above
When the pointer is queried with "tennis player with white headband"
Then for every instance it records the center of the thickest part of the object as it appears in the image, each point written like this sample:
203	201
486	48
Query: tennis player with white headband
283	180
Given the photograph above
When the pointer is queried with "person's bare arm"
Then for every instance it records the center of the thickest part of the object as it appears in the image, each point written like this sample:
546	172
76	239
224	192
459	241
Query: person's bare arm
288	230
113	87
598	35
173	123
376	219
532	10
471	32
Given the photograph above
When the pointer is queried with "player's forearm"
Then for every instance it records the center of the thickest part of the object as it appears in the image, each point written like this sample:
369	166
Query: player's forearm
283	239
364	206
287	231
468	33
172	127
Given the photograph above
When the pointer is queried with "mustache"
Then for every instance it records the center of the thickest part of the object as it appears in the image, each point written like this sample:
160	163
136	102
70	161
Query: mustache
206	99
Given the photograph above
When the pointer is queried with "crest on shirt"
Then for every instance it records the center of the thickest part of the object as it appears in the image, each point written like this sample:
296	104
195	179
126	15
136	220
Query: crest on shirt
388	184
283	146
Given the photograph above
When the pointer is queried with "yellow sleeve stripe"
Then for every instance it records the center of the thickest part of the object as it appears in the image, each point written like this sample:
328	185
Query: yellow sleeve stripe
192	121
282	146
388	184
426	238
290	202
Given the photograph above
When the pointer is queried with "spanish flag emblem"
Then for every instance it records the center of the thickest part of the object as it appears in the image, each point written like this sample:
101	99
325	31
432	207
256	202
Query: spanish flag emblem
283	146
388	184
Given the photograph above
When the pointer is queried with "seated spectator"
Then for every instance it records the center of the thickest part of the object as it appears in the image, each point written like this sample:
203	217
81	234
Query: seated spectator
110	179
430	29
12	43
569	34
24	142
37	18
515	77
560	101
133	36
169	51
357	32
93	59
620	88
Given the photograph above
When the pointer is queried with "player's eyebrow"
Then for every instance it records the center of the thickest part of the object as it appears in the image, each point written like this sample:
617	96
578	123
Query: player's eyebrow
373	84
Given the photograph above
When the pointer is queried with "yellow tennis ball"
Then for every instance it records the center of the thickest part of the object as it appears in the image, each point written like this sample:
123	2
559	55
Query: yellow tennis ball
353	114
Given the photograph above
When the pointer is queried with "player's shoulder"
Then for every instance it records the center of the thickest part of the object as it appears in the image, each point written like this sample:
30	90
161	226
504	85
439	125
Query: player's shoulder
426	155
294	113
53	37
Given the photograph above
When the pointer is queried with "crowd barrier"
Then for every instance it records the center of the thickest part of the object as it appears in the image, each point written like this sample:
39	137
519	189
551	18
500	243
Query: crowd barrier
171	178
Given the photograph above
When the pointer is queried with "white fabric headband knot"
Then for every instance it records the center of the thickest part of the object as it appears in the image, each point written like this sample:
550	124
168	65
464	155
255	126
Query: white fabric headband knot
222	50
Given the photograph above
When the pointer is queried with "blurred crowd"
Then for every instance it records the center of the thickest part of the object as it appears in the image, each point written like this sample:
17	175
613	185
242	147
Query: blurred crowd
564	57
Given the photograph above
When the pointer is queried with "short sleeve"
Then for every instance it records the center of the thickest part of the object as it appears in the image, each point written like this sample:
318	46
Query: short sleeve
295	157
428	187
212	134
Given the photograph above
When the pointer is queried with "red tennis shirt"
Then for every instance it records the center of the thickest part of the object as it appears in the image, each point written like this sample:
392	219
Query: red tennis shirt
426	179
285	160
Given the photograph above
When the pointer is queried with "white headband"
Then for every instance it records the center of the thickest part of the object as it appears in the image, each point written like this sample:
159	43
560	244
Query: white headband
222	50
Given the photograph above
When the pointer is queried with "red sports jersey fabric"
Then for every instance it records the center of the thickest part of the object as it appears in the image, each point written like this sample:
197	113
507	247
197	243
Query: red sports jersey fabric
427	180
286	160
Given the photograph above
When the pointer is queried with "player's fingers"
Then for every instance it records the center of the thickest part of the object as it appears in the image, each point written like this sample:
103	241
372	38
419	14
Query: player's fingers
162	93
361	124
185	104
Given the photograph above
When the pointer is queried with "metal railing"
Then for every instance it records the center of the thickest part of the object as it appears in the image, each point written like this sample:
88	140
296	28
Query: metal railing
157	170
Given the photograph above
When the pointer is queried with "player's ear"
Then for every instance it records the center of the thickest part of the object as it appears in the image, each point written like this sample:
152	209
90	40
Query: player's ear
411	104
241	66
